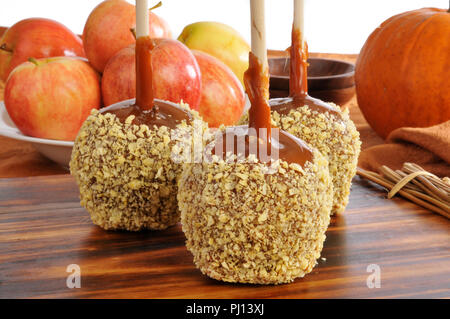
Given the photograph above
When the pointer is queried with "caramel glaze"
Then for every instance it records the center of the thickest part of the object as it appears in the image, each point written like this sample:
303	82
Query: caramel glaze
146	110
298	76
144	74
285	104
298	83
161	114
269	147
283	146
256	81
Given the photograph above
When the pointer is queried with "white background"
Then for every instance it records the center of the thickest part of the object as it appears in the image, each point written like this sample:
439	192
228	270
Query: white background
339	26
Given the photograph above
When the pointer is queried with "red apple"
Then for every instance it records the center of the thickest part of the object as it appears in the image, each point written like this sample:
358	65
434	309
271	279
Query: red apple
36	38
119	77
176	75
223	98
107	30
51	97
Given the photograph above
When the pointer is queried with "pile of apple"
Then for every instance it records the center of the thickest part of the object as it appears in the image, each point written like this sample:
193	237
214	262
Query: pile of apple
54	78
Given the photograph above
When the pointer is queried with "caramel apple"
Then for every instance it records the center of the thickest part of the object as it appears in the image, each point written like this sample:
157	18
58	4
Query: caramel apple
251	216
122	157
322	125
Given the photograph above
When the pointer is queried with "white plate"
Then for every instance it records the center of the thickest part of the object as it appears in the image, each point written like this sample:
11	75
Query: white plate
58	151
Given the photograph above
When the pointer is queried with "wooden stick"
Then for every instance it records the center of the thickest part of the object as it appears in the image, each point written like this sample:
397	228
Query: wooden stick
258	32
396	177
256	78
417	186
142	19
430	199
414	167
378	180
298	69
427	182
416	183
299	19
405	180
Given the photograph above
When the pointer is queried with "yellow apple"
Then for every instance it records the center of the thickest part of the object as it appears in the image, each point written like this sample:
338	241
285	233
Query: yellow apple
220	41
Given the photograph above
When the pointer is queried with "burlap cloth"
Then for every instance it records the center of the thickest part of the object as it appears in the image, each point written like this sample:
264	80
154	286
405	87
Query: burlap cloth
428	147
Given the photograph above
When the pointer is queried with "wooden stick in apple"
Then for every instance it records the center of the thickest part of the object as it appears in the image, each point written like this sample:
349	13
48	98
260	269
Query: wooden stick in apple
272	145
308	118
144	76
299	16
298	84
258	31
256	78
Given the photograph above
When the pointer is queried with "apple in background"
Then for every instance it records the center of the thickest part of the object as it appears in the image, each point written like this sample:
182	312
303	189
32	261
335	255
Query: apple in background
223	98
176	74
51	97
37	38
119	77
107	30
220	41
2	90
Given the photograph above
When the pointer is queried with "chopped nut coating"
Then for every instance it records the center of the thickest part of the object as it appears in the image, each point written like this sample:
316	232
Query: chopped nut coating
259	233
125	173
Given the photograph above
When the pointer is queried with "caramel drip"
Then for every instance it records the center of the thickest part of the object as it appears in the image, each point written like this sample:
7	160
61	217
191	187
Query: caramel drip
256	81
298	81
144	75
146	110
161	114
257	138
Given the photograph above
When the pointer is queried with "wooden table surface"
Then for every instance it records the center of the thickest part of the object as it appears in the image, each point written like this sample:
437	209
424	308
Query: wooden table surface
44	229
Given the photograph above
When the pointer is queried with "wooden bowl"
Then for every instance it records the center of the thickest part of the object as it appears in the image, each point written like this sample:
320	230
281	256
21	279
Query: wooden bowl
329	80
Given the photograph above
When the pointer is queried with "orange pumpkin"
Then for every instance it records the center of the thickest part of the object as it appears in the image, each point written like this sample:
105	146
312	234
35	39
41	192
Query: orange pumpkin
402	74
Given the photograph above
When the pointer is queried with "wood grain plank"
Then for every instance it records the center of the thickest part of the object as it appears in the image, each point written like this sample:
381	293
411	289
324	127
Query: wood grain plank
43	229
